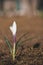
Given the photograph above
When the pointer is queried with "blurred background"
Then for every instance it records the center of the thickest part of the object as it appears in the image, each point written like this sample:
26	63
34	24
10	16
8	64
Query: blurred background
20	7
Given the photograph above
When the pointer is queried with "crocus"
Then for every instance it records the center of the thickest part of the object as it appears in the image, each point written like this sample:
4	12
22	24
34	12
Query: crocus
13	29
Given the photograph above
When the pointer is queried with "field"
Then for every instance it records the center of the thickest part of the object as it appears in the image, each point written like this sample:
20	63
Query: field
25	55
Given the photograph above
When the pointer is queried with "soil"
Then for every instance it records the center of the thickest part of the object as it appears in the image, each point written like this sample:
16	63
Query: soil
26	54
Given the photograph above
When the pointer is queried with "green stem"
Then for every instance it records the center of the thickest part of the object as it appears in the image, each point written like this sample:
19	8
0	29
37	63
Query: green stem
13	52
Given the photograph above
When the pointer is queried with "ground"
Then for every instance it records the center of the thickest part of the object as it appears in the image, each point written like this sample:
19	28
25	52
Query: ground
34	27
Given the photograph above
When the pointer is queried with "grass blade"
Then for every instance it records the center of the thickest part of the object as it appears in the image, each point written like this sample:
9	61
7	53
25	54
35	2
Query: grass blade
22	37
8	44
19	44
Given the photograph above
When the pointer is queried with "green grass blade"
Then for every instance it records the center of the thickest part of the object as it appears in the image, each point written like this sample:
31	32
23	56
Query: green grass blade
22	37
19	40
27	39
19	44
8	43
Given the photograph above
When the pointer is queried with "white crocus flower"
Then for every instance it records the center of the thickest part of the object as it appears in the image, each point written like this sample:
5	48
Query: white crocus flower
13	29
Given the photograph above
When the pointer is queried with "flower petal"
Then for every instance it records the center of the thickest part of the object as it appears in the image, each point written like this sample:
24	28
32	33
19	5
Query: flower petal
13	28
